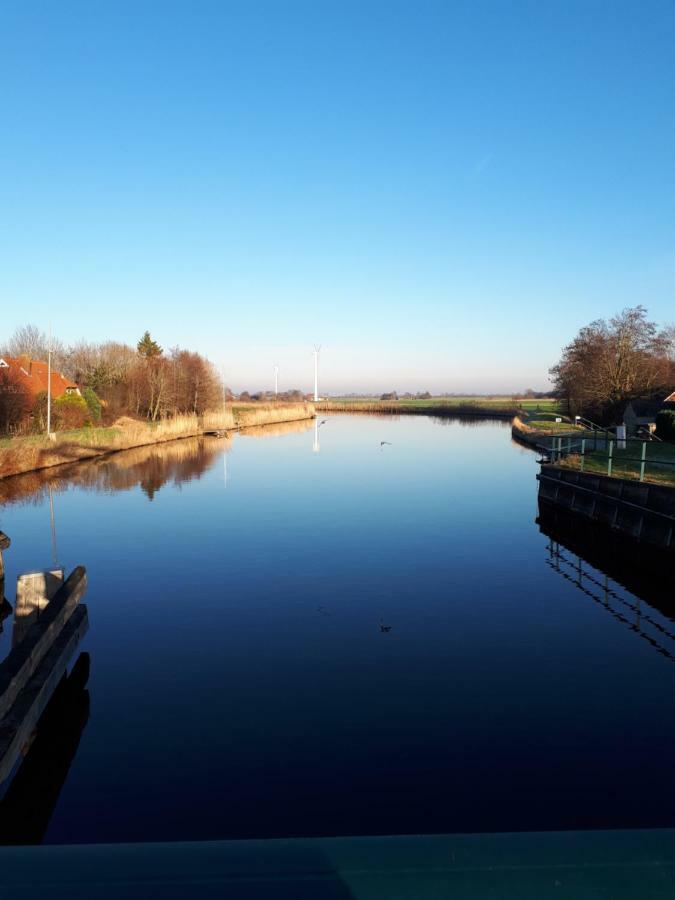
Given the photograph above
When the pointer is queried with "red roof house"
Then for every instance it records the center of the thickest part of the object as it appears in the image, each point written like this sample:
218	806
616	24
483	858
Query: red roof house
34	375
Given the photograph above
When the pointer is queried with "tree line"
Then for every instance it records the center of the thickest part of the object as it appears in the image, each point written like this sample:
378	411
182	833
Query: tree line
295	395
115	380
610	363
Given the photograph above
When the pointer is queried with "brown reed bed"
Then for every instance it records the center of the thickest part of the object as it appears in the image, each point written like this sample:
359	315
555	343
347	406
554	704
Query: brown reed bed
248	415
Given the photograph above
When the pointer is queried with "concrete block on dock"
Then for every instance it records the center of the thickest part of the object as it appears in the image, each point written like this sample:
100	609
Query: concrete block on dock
34	590
25	656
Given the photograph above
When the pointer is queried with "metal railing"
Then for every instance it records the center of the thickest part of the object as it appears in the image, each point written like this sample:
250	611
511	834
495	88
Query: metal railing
619	458
594	428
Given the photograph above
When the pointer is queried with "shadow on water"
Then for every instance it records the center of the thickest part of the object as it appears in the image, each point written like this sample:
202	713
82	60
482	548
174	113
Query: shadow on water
5	606
605	566
149	468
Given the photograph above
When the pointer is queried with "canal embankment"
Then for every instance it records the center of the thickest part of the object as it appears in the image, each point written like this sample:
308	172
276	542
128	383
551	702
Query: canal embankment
624	487
538	430
32	452
641	510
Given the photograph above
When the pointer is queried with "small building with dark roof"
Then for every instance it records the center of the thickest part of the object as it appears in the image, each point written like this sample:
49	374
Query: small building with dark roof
641	414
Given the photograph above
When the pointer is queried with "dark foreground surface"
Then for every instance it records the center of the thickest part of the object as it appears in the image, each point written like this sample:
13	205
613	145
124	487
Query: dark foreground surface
311	635
570	866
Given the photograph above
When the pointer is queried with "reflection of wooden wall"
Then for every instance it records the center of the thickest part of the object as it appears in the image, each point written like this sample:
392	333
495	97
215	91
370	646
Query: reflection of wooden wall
34	590
31	796
4	544
5	607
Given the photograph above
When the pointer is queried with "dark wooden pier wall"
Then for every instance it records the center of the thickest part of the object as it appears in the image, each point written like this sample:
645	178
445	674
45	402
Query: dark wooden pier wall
641	510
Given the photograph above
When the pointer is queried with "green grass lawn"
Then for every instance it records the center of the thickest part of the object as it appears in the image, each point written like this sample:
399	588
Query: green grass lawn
88	436
551	426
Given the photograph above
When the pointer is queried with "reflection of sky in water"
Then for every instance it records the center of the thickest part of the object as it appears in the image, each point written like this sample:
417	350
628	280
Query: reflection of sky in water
240	682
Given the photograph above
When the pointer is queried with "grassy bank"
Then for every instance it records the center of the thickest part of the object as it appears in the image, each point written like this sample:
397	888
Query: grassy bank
659	462
27	454
539	427
502	407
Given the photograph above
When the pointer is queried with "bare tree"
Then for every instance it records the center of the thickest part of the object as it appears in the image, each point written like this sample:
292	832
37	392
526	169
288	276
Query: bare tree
29	340
609	363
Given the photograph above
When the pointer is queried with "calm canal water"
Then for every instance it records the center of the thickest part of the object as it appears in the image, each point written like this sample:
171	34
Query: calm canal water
351	639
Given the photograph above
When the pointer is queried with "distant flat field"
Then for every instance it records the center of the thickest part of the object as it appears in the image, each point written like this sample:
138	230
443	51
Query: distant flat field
496	402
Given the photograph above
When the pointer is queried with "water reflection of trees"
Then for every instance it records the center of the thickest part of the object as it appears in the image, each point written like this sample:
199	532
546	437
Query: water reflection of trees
149	468
469	421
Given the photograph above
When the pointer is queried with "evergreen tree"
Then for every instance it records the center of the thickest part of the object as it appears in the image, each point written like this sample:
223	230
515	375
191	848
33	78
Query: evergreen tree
148	348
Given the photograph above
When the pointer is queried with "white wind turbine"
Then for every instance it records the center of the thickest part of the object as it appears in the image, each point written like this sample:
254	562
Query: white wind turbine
317	350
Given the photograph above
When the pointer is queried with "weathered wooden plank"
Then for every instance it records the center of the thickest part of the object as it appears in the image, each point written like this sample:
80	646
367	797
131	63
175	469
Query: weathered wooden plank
24	658
21	719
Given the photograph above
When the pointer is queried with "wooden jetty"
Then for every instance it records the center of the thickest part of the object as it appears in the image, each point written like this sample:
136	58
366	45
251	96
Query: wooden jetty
36	664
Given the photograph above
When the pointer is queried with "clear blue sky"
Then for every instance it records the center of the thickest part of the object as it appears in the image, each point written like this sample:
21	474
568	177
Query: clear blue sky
438	193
